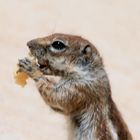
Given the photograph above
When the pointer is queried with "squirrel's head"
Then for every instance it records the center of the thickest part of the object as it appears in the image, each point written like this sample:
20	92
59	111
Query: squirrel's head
64	52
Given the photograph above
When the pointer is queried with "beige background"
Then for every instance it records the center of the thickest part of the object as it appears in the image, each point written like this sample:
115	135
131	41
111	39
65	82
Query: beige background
112	25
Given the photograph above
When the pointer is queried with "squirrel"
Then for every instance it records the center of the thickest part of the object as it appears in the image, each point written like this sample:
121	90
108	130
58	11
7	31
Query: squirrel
82	90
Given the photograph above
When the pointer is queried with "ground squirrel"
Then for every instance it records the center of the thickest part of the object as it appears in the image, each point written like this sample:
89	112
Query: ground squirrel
82	92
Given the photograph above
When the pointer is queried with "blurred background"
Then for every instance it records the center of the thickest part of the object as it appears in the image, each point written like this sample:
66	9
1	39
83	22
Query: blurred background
113	26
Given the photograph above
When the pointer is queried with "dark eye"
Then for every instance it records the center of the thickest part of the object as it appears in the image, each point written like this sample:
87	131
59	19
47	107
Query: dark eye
58	45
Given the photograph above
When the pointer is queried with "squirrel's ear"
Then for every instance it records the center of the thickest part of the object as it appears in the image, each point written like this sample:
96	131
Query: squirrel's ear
87	50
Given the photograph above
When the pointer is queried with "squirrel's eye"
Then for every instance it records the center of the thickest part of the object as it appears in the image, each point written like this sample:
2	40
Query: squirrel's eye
58	45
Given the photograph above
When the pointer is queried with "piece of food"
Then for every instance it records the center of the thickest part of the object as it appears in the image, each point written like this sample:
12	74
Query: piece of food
21	78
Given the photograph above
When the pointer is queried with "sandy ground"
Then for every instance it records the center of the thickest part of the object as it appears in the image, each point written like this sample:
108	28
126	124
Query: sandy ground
113	26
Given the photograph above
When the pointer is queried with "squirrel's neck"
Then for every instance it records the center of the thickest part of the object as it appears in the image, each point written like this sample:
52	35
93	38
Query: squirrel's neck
94	123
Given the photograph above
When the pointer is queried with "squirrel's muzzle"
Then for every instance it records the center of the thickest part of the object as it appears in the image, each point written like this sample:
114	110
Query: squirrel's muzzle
32	44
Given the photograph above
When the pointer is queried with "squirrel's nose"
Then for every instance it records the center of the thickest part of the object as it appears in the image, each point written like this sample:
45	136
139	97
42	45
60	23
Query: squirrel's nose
31	44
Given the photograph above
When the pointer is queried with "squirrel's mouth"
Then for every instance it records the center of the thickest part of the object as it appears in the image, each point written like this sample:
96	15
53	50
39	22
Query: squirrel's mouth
40	62
42	66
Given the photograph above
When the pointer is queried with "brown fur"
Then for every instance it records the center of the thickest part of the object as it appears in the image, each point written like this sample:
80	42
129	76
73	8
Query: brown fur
82	91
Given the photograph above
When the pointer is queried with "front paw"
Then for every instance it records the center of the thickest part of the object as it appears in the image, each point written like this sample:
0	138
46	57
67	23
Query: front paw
29	67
